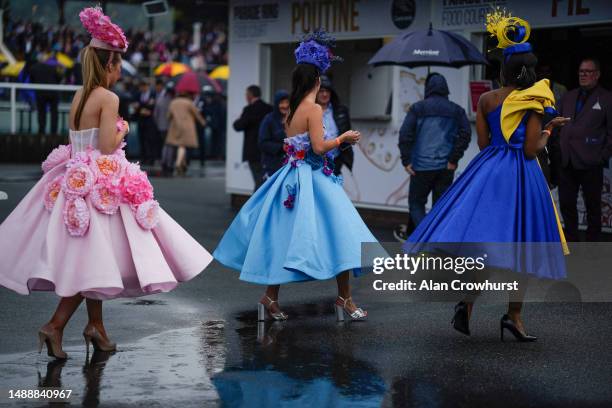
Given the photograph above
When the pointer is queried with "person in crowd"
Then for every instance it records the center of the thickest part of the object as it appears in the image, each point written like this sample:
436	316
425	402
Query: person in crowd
502	201
545	70
147	134
582	149
435	134
183	115
214	112
165	94
249	122
203	131
300	225
41	73
272	135
337	120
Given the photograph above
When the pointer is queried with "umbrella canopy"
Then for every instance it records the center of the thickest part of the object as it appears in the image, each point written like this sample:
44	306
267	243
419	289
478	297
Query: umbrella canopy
59	59
221	72
188	83
429	47
13	69
203	80
172	69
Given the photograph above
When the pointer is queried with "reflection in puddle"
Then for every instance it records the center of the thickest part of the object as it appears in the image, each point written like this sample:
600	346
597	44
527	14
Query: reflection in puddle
286	364
305	362
169	369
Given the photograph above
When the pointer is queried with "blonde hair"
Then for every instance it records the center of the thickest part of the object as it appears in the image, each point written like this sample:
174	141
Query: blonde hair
94	61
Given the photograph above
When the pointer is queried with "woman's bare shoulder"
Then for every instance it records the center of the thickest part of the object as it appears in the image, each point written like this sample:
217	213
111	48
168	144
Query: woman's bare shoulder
105	95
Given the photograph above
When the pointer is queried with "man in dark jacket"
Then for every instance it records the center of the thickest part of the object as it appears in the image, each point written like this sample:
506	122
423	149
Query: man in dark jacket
150	146
272	135
249	122
42	73
435	134
582	149
337	120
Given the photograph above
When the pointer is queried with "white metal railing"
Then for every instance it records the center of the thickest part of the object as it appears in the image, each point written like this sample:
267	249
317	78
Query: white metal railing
14	86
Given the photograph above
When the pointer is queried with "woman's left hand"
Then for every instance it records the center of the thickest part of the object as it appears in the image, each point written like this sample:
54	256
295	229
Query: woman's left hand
559	121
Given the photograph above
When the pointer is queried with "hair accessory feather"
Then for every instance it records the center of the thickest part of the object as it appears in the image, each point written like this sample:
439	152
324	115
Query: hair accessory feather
104	34
315	49
512	32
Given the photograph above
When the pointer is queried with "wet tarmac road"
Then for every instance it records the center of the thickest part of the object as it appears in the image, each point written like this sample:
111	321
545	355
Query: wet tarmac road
201	346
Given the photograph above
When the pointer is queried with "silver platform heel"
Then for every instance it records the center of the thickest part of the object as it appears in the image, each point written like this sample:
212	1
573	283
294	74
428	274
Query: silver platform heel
262	311
358	315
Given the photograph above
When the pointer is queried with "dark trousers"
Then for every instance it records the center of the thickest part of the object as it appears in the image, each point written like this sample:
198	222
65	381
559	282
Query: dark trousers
591	181
42	101
150	145
257	172
423	183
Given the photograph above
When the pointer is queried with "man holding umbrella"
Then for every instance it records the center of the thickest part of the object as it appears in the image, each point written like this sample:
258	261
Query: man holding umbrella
436	131
435	134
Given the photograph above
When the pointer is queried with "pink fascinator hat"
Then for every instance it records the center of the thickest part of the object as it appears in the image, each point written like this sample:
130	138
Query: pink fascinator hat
104	34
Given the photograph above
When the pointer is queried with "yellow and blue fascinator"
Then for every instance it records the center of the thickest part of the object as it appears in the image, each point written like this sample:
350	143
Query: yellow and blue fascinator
315	49
512	32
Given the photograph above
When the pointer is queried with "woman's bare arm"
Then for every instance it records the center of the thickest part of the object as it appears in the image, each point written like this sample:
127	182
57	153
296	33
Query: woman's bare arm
482	127
109	138
315	128
535	139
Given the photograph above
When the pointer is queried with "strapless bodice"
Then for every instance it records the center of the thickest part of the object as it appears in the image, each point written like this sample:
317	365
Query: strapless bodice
80	140
517	139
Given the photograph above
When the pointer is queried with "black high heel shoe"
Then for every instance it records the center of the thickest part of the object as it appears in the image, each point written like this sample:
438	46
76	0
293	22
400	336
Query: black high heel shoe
507	323
461	321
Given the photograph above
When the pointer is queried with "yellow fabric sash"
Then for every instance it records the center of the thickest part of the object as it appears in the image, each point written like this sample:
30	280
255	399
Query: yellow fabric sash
535	98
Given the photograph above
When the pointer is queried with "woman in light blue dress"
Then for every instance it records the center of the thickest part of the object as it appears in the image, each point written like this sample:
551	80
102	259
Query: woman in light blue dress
300	225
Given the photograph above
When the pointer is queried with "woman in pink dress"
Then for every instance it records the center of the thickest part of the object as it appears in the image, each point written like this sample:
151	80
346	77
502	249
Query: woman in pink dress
90	228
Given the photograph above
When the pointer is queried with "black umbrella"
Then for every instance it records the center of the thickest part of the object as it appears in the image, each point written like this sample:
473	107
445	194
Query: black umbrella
428	47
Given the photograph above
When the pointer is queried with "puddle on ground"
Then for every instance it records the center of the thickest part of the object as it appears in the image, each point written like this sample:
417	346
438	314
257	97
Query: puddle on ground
240	364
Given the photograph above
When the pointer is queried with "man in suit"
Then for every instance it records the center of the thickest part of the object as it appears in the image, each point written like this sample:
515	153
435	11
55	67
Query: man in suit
42	73
150	147
583	148
249	122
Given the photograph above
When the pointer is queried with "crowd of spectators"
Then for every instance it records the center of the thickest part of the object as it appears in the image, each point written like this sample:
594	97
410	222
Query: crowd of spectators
27	40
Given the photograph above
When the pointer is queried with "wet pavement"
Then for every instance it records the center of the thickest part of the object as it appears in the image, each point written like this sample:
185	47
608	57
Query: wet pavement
200	345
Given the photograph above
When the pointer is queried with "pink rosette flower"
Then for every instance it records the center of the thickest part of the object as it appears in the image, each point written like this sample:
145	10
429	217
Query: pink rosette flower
106	196
135	186
59	155
147	214
52	190
107	166
79	180
76	216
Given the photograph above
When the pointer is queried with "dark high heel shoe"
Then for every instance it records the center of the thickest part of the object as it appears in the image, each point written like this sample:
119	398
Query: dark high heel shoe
461	320
93	336
54	345
507	323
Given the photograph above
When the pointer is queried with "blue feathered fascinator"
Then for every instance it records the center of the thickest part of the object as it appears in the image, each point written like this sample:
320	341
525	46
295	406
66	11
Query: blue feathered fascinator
315	49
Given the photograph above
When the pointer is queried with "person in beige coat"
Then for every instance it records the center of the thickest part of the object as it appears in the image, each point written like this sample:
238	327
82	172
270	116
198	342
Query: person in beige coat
182	131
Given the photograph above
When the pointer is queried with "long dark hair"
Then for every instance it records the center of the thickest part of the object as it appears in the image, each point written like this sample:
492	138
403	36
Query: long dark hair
303	80
519	70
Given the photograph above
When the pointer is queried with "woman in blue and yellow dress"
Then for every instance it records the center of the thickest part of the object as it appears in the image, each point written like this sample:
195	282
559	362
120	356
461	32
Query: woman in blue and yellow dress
502	196
300	225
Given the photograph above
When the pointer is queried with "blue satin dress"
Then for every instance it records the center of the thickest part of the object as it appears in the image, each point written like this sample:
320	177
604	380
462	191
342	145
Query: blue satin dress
501	197
299	225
